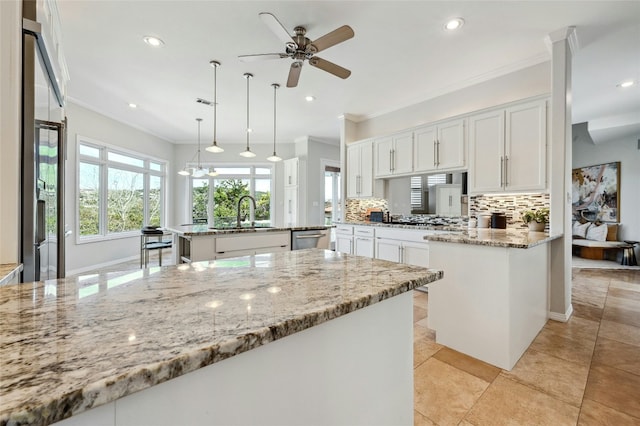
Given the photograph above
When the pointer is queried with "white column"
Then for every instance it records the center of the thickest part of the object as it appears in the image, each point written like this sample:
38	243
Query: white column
10	83
348	132
562	43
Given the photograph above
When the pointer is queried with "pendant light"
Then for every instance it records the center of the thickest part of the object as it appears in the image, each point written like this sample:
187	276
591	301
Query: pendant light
198	171
274	157
214	145
247	153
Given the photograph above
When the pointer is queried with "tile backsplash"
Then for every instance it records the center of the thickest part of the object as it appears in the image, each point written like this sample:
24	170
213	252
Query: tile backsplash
511	205
357	208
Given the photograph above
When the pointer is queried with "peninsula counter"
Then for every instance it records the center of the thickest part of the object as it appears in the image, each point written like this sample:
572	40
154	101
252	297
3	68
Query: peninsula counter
281	338
494	298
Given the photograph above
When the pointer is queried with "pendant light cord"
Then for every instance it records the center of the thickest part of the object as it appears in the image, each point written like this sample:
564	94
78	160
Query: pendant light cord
215	99
199	120
275	89
248	76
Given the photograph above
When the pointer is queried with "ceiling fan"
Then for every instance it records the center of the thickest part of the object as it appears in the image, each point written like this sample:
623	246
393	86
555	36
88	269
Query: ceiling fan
298	47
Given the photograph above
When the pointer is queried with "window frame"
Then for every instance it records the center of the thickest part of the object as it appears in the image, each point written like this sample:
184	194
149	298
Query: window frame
252	177
104	164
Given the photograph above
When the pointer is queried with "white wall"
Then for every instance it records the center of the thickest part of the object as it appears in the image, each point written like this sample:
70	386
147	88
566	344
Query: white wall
528	82
84	122
184	153
10	82
626	151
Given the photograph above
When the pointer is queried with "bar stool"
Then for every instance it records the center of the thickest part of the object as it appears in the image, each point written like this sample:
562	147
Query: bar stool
629	254
146	245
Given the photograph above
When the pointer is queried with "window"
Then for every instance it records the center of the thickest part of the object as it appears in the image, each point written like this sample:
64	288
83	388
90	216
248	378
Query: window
118	192
215	200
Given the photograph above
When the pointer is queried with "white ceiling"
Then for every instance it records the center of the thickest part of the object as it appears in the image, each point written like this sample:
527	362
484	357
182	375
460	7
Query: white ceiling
400	55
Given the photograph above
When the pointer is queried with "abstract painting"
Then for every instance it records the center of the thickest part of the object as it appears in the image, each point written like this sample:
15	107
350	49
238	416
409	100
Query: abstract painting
596	192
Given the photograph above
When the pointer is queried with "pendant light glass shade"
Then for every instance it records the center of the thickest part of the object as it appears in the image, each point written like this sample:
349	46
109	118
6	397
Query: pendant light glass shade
214	145
247	153
274	157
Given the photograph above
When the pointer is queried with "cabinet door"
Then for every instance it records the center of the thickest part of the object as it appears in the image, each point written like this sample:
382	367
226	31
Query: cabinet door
424	149
402	154
383	157
363	246
353	171
486	152
450	145
366	170
525	147
416	254
388	250
344	244
291	172
291	206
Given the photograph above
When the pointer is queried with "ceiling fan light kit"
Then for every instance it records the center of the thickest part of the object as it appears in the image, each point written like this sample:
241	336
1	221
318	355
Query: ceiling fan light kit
300	48
214	145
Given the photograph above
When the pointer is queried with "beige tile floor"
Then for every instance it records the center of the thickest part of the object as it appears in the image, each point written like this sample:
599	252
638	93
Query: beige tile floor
583	372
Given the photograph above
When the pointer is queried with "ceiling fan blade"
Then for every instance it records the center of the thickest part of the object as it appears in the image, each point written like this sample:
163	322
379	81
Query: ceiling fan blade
294	74
329	67
331	39
276	27
262	56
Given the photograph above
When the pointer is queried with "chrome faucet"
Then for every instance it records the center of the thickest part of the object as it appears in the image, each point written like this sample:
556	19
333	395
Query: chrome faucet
254	209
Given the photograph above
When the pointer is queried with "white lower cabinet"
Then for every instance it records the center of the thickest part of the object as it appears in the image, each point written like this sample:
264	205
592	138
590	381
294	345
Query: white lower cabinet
363	241
250	243
402	246
344	239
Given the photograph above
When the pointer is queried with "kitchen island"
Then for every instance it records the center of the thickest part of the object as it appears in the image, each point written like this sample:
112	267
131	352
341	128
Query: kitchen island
299	337
493	300
200	242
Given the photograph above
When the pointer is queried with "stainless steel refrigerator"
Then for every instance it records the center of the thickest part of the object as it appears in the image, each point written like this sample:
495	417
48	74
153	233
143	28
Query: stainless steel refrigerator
42	156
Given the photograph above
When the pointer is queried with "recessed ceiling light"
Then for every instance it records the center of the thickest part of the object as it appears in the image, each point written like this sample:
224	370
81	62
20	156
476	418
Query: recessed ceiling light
310	98
153	41
132	105
454	24
627	83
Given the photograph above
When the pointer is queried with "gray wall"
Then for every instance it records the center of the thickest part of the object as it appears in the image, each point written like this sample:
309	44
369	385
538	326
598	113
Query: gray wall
82	121
626	151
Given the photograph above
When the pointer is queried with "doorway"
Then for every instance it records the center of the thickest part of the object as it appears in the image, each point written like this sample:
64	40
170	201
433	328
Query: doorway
332	196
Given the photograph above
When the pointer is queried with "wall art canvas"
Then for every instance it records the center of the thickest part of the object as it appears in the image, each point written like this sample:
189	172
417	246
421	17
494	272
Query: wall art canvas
596	192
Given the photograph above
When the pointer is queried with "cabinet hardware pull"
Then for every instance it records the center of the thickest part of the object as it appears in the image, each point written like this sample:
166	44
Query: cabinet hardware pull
501	172
506	171
450	200
309	236
438	153
434	153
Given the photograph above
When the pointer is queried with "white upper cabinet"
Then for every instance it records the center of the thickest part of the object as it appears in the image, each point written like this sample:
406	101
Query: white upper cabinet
291	172
508	149
440	147
526	147
360	169
394	155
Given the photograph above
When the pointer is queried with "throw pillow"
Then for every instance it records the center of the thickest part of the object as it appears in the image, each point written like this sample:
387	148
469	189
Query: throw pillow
612	233
580	229
597	232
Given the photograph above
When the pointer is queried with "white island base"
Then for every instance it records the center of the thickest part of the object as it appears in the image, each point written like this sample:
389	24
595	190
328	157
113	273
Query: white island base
353	370
492	301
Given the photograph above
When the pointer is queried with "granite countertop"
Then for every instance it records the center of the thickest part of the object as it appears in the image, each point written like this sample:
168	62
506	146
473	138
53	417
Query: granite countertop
72	344
448	228
199	230
509	238
8	271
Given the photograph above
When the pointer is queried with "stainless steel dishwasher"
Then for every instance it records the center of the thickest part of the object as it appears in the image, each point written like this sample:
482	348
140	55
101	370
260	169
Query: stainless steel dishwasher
315	238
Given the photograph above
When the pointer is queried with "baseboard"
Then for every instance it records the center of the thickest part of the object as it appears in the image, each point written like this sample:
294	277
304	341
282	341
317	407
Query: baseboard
101	265
561	317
